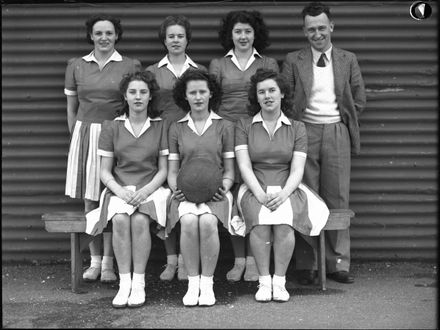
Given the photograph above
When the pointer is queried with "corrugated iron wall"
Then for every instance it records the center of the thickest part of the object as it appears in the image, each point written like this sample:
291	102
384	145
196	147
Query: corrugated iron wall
394	180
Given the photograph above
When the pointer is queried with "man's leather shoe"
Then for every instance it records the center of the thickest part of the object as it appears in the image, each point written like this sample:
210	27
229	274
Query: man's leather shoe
341	277
306	277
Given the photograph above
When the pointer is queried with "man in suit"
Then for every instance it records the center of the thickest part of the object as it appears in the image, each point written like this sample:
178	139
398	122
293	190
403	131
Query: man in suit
329	95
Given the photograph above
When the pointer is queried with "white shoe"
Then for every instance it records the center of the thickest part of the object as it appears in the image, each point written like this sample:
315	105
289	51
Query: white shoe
280	293
264	293
137	297
191	297
121	298
207	297
91	274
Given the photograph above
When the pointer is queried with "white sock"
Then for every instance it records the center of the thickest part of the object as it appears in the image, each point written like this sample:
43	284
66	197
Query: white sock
107	262
172	259
125	279
265	280
180	260
95	261
250	260
279	280
239	261
138	280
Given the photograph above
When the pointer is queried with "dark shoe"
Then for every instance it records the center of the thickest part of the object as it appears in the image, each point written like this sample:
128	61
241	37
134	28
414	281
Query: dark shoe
341	277
306	277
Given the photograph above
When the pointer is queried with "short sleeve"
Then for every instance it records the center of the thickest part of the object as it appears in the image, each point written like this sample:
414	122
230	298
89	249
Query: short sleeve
300	137
228	138
105	144
173	144
164	140
70	87
241	135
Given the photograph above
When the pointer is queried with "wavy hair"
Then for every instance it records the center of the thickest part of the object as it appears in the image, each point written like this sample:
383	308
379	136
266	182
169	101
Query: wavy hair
103	17
179	90
175	20
264	74
254	19
315	9
148	78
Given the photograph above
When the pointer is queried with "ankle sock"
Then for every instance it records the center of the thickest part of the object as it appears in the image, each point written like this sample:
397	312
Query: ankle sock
172	259
107	262
95	261
279	280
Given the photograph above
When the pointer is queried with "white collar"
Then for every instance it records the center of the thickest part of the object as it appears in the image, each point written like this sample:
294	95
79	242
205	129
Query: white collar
188	63
248	64
282	119
208	123
114	57
127	124
317	54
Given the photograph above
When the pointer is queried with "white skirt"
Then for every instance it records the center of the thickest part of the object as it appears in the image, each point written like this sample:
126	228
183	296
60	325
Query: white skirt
83	163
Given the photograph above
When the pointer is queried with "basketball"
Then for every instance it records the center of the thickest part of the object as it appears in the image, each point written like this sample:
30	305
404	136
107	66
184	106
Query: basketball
199	179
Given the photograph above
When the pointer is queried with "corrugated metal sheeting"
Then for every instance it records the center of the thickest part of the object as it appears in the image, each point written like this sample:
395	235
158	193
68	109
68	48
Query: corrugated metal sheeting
394	180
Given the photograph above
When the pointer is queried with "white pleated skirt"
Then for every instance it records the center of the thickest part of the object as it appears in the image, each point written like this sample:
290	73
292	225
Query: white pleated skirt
83	163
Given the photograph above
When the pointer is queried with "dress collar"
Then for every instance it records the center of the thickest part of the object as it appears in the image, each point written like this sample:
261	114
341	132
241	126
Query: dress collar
127	124
251	60
188	63
116	57
208	123
282	119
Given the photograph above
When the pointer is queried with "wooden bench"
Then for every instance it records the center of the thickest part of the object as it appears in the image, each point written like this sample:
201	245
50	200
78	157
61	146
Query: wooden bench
75	224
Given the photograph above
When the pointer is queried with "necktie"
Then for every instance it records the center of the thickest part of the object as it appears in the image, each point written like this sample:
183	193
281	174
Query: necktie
321	62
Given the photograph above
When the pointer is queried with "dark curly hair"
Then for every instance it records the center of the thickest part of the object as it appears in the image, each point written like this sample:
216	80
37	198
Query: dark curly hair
150	79
103	17
315	9
264	74
254	19
179	90
175	20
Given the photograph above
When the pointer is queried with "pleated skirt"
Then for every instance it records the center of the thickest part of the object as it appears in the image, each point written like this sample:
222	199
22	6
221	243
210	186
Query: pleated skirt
83	162
304	210
155	206
222	210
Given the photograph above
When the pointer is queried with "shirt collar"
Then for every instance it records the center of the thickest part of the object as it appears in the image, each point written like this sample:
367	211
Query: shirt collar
317	54
114	57
127	124
251	60
282	119
192	126
188	63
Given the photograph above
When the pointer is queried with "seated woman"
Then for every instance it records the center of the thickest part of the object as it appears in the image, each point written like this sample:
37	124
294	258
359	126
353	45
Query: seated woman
201	133
271	151
134	150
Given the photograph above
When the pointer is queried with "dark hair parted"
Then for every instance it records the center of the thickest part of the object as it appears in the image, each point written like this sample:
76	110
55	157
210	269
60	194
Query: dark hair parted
179	90
264	74
148	78
103	17
254	19
315	9
175	20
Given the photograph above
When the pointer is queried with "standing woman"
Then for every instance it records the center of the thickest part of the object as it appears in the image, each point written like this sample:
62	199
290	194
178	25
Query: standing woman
175	35
271	152
243	35
200	133
134	152
92	90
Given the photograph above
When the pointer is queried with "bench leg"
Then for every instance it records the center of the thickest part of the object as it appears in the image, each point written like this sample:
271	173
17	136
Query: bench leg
76	262
321	261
